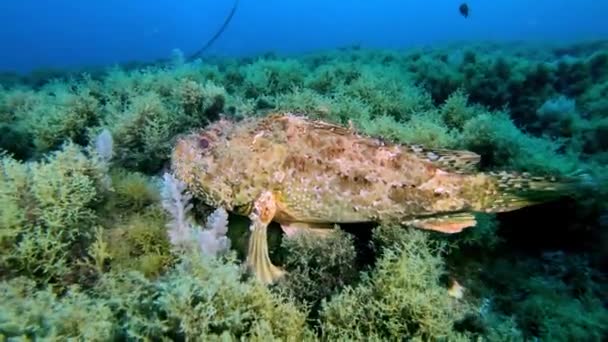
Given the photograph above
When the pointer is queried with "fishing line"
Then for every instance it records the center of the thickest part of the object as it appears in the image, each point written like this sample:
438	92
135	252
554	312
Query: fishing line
218	33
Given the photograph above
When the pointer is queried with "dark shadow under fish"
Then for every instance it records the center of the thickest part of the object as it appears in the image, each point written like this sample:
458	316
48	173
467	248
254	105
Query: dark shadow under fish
464	9
217	34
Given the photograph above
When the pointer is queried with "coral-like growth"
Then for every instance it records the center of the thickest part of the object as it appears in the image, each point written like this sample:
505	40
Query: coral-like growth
104	146
183	233
213	240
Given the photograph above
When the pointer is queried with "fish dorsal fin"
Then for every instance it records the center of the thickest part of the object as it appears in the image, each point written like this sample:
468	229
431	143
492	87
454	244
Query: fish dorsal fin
458	161
332	127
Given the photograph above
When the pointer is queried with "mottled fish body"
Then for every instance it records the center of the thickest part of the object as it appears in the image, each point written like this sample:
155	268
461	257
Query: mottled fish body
307	175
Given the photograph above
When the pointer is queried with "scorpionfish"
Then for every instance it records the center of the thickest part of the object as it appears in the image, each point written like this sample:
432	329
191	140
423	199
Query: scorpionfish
309	175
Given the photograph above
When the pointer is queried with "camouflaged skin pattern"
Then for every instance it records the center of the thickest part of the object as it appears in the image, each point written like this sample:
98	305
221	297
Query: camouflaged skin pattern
320	172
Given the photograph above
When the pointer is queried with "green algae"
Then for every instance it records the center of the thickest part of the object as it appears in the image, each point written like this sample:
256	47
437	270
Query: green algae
79	234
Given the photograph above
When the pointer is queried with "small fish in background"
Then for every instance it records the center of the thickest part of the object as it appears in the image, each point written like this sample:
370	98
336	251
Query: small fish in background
464	9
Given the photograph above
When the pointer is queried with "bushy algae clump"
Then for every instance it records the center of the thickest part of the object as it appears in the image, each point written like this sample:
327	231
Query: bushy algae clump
402	296
83	230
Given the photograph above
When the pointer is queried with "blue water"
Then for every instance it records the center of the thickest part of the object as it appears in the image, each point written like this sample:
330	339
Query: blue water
67	33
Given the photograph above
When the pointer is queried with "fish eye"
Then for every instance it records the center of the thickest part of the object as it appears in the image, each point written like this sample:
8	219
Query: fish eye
203	143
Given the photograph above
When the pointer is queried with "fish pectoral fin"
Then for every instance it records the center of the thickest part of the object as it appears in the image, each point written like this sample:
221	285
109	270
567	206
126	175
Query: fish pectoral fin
321	230
451	223
258	260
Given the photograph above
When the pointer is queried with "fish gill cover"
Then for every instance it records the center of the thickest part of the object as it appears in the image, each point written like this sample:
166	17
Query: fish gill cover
94	223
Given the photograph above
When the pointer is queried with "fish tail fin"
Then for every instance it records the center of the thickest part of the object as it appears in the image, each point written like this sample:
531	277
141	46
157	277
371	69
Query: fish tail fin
507	191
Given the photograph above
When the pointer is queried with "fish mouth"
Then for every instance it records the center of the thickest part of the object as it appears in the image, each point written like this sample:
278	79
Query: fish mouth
184	156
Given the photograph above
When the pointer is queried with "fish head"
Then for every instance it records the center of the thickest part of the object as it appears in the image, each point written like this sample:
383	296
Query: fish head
196	160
